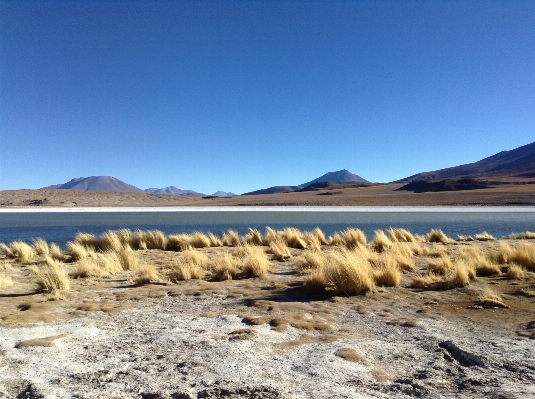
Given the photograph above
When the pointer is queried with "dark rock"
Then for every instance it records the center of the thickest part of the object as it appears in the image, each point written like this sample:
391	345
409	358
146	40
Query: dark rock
464	358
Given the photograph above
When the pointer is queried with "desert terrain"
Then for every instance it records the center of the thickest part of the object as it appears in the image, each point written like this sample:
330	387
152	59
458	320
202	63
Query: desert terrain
379	195
285	314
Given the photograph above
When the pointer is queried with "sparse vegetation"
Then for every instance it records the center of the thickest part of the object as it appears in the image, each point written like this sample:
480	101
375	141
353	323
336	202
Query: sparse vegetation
485	237
515	272
40	246
309	262
255	263
231	239
22	252
7	251
280	250
55	252
401	235
5	281
438	236
144	274
353	237
380	241
51	278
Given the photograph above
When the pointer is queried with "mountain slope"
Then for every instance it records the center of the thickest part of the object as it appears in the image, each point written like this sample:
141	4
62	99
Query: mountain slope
274	190
97	183
341	176
172	190
223	194
519	162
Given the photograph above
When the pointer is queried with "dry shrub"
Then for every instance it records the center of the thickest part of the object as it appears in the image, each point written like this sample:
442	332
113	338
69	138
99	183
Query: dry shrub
184	271
309	262
504	253
231	239
437	235
527	235
88	241
225	267
199	240
524	255
484	267
401	254
5	281
51	278
515	272
214	240
40	246
254	237
465	238
7	251
55	252
128	259
77	251
179	242
88	267
144	274
138	240
22	252
386	272
110	241
280	250
491	298
155	239
440	266
353	237
320	236
346	272
458	276
485	237
255	262
380	241
401	235
294	238
336	240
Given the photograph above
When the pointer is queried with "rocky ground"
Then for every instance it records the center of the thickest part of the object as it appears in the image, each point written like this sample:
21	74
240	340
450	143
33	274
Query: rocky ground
266	337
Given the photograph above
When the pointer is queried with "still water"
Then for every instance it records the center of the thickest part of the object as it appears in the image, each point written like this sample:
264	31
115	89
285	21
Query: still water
61	225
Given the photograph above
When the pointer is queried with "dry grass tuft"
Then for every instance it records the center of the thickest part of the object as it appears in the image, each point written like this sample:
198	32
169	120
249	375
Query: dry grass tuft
155	239
485	268
458	276
401	254
89	267
110	241
309	262
5	265
7	251
128	259
255	263
437	235
51	279
524	256
144	274
485	237
199	240
22	252
294	238
401	235
353	237
440	266
5	281
491	298
215	241
336	240
280	250
320	235
515	272
40	246
434	251
345	272
380	241
527	235
225	267
254	237
465	238
271	235
77	251
55	252
138	240
88	241
231	239
184	271
387	273
352	355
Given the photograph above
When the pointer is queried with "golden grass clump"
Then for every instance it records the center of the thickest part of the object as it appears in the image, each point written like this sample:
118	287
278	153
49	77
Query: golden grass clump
440	266
353	237
309	262
225	267
22	252
279	250
184	272
524	255
50	261
458	276
215	241
7	251
199	240
255	263
110	241
336	240
51	278
55	252
179	242
128	259
294	238
485	237
89	241
231	239
253	237
5	265
194	257
465	238
491	298
155	239
527	235
380	241
438	236
320	235
484	267
40	246
312	241
401	255
504	253
138	240
144	274
401	235
77	251
386	272
5	281
345	272
515	272
271	235
434	251
89	267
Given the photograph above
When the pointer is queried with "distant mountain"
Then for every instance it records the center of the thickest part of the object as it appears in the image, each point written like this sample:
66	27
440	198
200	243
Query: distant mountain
341	176
329	185
96	183
223	194
517	163
172	190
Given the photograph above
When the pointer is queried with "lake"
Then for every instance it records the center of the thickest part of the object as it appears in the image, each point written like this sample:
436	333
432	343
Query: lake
61	225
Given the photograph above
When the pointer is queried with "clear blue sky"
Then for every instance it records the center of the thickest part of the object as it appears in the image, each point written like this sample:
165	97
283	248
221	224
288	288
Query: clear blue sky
243	95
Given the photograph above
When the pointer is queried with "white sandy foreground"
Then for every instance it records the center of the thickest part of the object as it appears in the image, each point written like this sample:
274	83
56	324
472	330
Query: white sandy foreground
169	347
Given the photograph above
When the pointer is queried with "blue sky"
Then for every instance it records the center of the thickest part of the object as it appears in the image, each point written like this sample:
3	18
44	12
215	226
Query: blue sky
243	95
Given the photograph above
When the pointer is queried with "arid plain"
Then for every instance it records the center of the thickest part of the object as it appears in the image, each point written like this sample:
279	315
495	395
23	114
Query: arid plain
275	314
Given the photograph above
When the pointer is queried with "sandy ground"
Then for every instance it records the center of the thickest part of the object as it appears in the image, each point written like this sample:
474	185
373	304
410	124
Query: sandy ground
195	339
382	195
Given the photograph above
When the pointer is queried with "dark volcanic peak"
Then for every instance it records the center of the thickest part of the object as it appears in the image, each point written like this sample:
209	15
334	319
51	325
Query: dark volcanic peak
519	162
97	183
274	190
172	190
341	176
